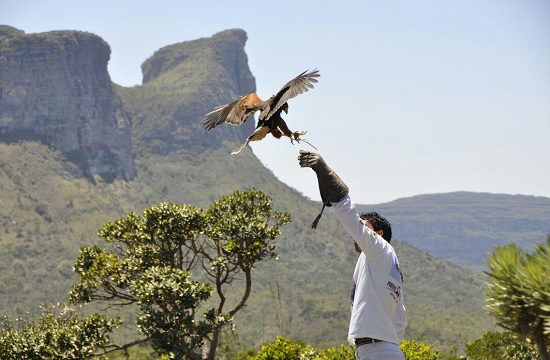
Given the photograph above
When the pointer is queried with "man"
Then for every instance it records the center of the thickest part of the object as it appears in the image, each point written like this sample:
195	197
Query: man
378	317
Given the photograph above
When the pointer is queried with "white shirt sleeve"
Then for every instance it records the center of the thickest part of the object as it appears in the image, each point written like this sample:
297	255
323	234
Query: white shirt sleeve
370	242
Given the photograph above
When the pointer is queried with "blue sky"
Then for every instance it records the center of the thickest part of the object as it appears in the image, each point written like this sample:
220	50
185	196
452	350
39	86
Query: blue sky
414	97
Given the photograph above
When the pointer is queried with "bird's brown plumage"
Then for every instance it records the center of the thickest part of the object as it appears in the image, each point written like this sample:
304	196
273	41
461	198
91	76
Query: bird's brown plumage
269	120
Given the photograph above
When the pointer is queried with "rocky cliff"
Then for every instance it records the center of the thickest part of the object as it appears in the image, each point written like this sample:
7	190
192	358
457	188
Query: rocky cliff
181	83
55	88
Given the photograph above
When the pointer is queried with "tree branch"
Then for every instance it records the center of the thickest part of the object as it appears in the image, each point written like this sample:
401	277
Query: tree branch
113	347
248	277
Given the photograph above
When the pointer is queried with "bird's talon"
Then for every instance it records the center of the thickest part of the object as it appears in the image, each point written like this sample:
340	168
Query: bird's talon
296	135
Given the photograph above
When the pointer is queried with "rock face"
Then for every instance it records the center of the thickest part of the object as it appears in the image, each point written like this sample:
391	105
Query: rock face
184	81
55	88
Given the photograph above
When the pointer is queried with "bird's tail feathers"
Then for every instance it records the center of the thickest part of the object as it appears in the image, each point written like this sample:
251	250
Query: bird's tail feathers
241	147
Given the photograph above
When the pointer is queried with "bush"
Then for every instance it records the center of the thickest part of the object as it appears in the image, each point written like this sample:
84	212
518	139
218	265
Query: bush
415	350
500	345
284	349
55	336
342	353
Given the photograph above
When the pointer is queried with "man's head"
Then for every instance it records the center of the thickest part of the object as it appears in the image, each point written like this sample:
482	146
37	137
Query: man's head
379	224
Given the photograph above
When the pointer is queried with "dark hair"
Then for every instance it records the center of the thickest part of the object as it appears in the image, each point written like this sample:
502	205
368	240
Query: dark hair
378	223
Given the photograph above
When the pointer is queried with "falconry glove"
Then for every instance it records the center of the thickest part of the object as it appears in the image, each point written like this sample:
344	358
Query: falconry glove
331	187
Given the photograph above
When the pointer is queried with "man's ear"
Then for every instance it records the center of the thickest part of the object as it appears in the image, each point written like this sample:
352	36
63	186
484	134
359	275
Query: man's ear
380	232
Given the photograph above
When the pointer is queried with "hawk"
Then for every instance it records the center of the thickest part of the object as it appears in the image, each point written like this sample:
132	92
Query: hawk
269	120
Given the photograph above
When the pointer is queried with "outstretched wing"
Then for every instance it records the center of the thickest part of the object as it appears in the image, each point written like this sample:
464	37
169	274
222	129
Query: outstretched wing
294	87
234	113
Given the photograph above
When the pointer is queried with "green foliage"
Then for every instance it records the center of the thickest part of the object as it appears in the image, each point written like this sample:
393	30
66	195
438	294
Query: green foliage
500	345
153	258
168	300
415	350
238	224
139	352
344	352
284	349
518	292
55	336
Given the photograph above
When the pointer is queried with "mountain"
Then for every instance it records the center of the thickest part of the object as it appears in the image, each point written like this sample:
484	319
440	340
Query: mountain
464	227
49	207
181	83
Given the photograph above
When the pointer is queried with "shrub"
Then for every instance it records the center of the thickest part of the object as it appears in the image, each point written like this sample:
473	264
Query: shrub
285	349
500	345
415	350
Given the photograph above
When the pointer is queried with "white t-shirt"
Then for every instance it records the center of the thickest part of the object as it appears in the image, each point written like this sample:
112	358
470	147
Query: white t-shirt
377	309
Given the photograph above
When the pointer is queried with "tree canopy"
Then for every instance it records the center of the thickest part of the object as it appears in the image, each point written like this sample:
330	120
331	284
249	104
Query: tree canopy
171	260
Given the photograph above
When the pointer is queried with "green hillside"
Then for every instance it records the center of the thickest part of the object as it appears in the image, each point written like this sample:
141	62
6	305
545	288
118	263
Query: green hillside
48	211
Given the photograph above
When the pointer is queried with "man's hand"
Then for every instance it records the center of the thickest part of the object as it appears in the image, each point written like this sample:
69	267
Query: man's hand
332	188
311	160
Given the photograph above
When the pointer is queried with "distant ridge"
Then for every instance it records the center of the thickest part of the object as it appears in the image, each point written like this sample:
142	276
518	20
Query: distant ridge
464	226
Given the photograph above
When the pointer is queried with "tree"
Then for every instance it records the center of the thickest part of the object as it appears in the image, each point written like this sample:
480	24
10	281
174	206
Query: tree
518	292
172	259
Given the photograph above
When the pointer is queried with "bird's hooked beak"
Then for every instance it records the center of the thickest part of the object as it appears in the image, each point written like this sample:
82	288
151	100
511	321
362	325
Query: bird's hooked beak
285	108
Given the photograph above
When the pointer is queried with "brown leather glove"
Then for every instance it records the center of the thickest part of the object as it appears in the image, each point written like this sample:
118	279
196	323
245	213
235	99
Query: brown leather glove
331	187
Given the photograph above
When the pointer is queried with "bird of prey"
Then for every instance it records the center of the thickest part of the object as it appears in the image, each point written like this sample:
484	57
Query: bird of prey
269	120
